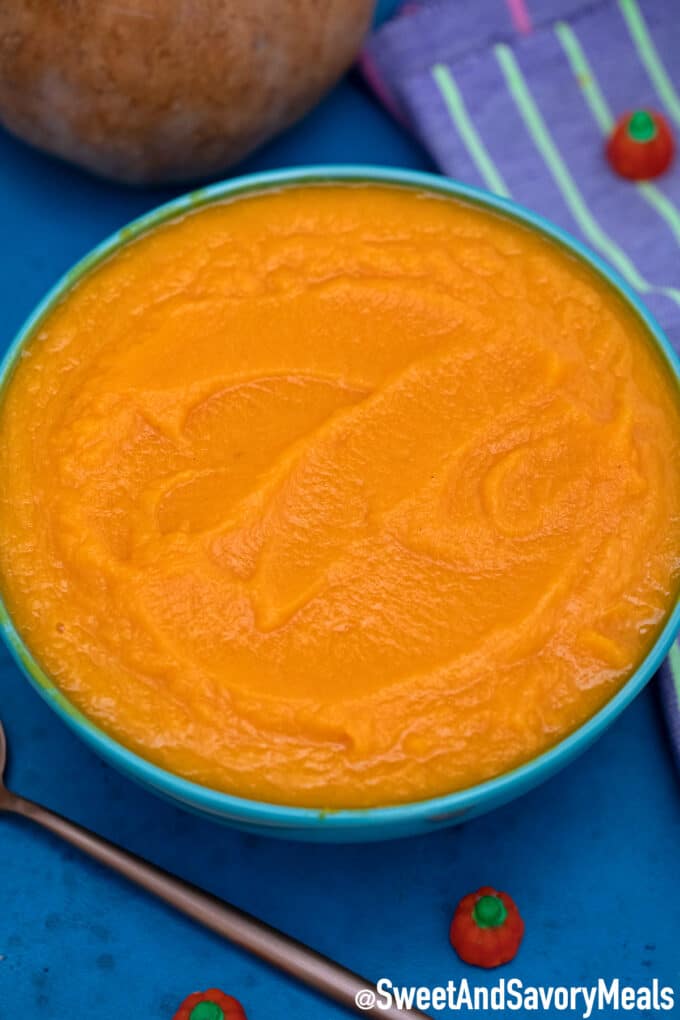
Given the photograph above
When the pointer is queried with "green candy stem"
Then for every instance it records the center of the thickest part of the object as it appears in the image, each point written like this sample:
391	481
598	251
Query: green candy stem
641	126
488	912
206	1010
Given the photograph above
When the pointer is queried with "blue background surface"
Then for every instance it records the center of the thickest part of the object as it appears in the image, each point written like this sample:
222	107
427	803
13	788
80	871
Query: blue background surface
591	856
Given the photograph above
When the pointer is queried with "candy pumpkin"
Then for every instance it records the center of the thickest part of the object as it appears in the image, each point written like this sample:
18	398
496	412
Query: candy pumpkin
210	1005
487	929
641	145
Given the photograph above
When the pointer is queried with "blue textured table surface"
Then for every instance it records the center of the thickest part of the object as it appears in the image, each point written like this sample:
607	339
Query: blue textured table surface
591	856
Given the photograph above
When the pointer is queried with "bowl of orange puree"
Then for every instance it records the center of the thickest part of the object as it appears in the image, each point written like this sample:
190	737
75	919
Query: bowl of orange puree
340	503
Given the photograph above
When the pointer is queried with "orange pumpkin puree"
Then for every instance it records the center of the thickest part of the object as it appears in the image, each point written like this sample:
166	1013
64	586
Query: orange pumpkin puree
340	495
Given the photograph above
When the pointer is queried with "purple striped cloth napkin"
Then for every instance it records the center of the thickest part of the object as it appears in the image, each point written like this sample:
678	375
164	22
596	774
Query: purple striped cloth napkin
518	96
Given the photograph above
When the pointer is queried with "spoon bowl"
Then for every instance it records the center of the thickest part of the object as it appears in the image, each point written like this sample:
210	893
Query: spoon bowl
3	754
5	796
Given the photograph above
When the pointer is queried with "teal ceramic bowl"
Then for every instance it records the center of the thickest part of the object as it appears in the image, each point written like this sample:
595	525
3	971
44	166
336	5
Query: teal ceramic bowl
307	823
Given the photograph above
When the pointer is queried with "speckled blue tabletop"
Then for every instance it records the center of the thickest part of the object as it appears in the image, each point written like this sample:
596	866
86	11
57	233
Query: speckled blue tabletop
591	856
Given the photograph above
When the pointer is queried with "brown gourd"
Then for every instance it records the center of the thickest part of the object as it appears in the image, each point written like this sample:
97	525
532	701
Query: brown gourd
146	91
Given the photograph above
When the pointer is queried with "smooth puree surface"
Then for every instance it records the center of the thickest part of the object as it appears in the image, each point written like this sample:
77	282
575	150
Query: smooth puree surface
341	495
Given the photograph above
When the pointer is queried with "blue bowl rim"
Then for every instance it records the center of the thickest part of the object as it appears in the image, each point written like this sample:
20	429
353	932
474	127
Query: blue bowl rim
262	814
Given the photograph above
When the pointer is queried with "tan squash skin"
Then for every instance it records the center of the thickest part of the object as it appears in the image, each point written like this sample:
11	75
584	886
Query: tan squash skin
146	91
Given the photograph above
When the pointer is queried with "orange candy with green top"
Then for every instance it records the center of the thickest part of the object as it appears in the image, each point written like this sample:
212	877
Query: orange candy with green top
210	1005
487	928
641	146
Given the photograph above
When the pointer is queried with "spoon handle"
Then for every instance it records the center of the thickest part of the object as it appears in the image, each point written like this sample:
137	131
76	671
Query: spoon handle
258	938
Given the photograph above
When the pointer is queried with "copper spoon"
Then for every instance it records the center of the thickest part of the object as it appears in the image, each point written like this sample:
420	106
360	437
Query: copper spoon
242	929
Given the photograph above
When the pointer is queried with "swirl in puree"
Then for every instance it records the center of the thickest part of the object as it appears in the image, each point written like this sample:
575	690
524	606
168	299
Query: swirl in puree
340	495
